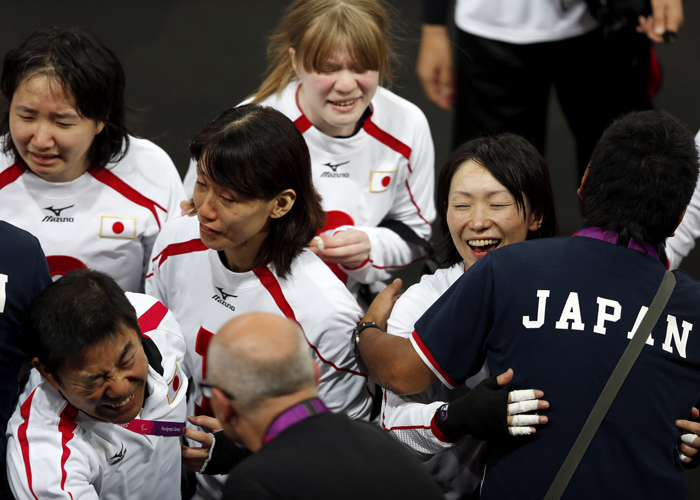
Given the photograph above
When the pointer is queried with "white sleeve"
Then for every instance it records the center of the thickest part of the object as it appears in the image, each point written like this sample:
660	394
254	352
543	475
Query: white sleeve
342	385
155	287
409	418
414	206
190	178
49	461
680	245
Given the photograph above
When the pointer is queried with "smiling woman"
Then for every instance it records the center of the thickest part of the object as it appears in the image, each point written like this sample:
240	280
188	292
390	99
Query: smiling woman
68	160
492	192
371	151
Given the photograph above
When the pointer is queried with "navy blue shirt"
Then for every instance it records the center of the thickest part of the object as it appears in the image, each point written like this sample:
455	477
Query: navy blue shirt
23	274
559	311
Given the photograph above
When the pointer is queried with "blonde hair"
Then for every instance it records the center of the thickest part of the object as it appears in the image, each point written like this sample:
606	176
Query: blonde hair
317	28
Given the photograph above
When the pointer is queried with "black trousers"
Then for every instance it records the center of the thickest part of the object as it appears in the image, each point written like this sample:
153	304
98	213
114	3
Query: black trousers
504	87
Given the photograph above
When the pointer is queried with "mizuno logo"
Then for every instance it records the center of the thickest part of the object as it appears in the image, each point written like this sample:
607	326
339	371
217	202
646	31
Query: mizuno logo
225	295
221	299
56	217
334	168
118	457
57	211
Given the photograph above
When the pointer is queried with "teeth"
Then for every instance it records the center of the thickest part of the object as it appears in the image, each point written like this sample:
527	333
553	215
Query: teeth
483	243
345	103
120	404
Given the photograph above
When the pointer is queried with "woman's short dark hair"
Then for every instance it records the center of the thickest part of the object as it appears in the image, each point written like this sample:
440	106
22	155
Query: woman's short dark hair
513	162
81	309
86	69
258	152
641	176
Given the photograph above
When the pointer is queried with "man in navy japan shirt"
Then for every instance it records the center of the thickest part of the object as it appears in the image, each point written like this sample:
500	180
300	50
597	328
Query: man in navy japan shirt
561	311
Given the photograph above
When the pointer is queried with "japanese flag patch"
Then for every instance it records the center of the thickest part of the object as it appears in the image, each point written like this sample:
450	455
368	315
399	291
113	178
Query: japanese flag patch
118	227
174	385
381	180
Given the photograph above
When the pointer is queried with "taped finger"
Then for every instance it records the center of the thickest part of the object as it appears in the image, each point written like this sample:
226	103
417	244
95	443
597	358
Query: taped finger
522	407
683	457
319	243
689	439
523	395
520	431
523	420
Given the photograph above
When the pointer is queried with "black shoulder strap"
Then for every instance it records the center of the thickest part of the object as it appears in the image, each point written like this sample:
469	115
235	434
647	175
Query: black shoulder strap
607	396
407	234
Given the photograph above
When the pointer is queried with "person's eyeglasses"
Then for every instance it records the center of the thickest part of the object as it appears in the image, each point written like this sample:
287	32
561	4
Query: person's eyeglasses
206	388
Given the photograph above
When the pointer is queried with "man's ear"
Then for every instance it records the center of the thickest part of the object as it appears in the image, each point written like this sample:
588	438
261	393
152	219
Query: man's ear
579	191
283	203
317	372
41	368
673	233
222	406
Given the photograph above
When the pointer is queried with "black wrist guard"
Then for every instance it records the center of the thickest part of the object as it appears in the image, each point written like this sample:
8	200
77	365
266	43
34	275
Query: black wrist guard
482	413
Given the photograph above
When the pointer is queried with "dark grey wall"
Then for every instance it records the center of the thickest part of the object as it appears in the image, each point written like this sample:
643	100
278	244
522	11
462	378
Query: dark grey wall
187	61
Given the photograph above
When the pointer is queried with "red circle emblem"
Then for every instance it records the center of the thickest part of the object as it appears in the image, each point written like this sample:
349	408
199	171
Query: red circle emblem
386	180
118	228
176	383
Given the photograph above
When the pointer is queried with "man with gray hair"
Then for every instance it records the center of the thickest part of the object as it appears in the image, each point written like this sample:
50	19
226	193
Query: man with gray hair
262	382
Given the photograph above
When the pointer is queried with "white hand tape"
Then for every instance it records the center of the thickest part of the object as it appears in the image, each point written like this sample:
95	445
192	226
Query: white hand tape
688	439
516	396
522	407
319	243
523	420
520	431
682	457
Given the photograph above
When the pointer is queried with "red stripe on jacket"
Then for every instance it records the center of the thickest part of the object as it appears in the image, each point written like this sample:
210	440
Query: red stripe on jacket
22	437
108	178
10	175
387	139
66	426
432	360
269	281
194	245
150	320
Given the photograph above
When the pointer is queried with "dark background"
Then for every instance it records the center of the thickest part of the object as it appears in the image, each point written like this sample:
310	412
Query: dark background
186	62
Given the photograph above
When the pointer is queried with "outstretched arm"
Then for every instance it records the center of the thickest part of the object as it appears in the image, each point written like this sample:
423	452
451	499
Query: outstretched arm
390	360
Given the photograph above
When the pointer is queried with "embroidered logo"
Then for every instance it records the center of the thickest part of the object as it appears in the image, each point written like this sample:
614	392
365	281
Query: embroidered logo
222	299
334	168
118	457
123	228
56	217
380	180
174	385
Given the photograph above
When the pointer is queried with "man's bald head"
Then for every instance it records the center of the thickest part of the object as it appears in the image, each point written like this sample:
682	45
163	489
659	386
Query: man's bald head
257	356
